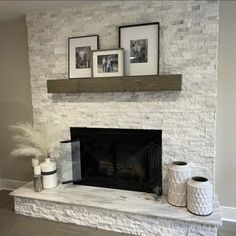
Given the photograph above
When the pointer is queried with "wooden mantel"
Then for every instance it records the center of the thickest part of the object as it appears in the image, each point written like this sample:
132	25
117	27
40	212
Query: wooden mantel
116	84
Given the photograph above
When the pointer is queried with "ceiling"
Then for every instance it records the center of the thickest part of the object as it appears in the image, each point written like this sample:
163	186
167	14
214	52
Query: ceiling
10	10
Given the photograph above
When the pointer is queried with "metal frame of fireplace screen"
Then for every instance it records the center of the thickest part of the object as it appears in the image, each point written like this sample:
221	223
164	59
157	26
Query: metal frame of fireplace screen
129	159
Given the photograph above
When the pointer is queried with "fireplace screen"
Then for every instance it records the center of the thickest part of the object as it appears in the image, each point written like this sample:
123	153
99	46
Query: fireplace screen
117	158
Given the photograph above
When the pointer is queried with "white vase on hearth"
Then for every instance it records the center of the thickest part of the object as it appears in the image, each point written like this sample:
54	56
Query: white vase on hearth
179	174
49	173
199	196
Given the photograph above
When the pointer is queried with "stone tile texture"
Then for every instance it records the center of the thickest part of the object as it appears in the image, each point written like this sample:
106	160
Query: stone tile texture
122	211
188	46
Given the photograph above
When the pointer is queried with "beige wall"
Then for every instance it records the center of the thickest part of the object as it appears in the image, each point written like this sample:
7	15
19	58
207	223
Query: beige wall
15	95
226	116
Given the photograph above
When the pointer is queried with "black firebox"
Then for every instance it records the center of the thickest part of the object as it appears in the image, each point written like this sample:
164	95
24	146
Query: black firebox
129	159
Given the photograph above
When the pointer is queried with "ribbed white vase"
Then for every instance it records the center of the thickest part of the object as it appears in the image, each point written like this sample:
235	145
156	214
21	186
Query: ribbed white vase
199	196
179	174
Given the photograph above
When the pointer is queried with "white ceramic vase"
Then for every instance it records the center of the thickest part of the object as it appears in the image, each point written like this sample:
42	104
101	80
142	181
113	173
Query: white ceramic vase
49	173
199	196
179	174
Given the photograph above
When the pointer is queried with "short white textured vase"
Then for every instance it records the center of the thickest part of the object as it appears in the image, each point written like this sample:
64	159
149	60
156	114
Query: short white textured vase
179	174
199	196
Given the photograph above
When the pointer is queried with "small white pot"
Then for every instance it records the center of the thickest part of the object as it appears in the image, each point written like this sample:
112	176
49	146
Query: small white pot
179	174
49	173
199	196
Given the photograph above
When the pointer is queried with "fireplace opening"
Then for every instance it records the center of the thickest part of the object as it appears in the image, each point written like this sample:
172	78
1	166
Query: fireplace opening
128	159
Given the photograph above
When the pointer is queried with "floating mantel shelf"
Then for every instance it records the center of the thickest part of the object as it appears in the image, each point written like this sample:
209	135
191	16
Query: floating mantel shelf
116	84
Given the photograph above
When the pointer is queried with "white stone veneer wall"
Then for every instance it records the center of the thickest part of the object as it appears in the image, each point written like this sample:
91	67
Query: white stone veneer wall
188	46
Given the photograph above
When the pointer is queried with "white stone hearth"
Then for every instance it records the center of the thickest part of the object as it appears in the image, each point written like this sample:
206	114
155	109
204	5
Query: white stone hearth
130	212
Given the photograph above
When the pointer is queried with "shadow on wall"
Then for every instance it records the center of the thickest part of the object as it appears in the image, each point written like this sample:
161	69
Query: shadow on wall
13	168
167	96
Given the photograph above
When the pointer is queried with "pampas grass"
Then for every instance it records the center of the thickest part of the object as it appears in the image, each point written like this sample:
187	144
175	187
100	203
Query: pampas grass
34	142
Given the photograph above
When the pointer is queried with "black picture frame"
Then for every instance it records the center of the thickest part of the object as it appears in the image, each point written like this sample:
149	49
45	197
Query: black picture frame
139	28
84	44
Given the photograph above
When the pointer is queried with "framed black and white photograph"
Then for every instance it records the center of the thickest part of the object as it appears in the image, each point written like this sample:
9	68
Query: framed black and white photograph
80	61
141	48
108	63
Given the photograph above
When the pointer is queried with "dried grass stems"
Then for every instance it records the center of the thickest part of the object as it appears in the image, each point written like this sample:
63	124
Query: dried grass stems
36	142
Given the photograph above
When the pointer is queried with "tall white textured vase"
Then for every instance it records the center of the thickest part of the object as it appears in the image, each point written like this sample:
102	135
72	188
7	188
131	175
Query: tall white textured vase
179	174
199	196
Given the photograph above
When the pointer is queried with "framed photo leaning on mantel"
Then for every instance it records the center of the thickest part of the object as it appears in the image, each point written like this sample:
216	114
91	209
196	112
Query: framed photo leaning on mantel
79	51
108	63
141	48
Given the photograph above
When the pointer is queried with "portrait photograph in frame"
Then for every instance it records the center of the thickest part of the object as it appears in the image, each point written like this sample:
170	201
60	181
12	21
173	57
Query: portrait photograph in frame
141	48
108	63
80	56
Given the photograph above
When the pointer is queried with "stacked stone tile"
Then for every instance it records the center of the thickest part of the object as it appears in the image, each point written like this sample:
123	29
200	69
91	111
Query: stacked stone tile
188	46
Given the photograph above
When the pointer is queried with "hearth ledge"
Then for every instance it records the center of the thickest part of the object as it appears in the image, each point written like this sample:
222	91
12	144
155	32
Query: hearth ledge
116	210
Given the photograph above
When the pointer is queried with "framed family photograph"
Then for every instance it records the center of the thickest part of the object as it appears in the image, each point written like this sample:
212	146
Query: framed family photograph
79	52
141	48
108	63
